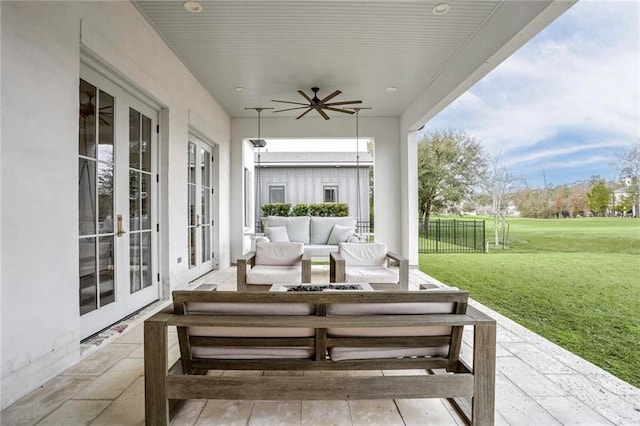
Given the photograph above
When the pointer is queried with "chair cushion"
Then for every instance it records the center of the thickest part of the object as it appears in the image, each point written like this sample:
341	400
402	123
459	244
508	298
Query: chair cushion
279	254
262	274
297	227
320	227
277	234
340	234
363	254
370	274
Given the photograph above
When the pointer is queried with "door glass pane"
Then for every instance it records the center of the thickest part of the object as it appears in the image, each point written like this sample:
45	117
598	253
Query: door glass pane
145	201
206	208
192	163
134	200
105	198
145	145
88	282
105	127
86	196
134	262
206	243
87	120
145	246
192	204
206	166
106	270
192	247
134	138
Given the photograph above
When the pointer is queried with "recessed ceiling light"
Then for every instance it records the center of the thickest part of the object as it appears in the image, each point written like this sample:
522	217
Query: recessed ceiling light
391	89
240	89
440	9
192	6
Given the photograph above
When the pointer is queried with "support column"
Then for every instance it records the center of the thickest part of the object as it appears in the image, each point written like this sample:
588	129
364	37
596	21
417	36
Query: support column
409	182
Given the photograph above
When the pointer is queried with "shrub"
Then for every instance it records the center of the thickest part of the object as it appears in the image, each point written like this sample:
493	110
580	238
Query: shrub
300	210
318	209
329	209
276	209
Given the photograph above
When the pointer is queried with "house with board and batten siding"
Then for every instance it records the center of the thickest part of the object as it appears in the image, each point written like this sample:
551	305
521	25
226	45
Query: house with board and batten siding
315	177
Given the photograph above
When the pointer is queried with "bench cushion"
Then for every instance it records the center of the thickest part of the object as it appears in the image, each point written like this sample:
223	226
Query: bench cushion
341	354
251	353
277	234
344	353
297	227
321	227
285	309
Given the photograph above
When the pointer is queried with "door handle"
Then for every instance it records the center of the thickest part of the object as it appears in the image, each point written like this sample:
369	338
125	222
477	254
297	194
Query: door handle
120	232
197	221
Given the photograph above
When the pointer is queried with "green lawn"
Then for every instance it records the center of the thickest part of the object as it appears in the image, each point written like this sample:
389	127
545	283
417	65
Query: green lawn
574	281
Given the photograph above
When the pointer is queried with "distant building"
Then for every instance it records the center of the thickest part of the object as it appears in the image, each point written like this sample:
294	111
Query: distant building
622	193
314	177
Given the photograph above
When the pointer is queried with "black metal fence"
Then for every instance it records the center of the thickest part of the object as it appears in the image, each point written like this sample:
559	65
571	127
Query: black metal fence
451	236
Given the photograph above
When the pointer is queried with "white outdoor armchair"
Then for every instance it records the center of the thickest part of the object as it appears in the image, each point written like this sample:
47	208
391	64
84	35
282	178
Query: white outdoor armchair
368	263
273	263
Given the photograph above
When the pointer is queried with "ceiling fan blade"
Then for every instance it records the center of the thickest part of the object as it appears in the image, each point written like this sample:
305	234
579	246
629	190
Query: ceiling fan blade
346	111
289	102
322	113
342	103
303	114
331	96
291	109
304	95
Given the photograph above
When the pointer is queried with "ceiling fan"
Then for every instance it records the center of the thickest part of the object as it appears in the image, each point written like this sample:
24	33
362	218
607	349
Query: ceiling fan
318	104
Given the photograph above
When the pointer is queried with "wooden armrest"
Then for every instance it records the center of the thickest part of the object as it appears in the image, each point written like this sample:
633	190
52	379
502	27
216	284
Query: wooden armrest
306	268
403	263
336	268
397	257
241	266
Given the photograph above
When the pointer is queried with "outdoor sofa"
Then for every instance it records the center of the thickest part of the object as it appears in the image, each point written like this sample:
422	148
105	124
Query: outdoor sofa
320	235
419	332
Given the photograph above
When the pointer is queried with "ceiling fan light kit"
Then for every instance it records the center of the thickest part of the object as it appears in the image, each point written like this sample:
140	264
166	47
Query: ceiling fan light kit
317	104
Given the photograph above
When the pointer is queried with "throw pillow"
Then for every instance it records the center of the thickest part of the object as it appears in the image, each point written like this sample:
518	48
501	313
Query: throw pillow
277	234
339	234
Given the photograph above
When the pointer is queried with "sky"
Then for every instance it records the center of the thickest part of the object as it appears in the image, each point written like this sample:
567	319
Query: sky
560	108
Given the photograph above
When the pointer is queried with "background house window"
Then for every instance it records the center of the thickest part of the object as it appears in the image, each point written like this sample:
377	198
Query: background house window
276	194
330	194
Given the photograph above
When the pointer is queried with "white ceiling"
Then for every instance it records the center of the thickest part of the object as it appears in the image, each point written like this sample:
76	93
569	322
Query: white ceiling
275	48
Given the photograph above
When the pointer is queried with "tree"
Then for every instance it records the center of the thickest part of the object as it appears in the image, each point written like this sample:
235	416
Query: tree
628	166
599	197
499	183
449	165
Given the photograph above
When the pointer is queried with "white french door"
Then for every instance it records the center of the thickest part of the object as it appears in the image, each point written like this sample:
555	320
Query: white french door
200	207
117	182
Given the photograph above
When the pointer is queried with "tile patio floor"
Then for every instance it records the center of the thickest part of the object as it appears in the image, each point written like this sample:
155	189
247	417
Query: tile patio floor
537	383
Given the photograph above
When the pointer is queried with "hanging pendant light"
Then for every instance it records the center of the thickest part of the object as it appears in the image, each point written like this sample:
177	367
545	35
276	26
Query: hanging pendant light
258	143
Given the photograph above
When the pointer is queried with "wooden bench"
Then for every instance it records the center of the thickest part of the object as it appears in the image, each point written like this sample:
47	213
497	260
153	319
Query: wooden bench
303	331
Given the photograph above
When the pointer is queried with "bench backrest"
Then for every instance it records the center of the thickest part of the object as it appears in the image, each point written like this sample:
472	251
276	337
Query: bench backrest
331	327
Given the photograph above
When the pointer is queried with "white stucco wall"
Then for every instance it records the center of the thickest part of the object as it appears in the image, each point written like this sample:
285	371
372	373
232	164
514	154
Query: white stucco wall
41	44
388	165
